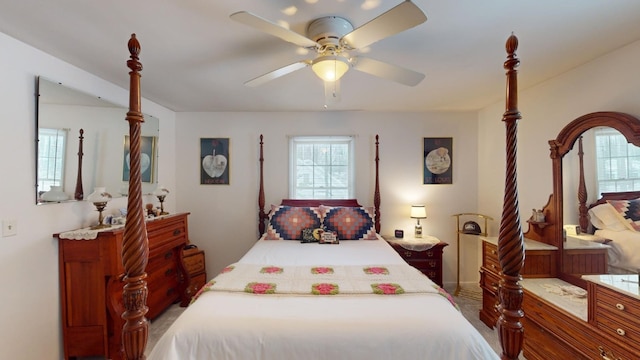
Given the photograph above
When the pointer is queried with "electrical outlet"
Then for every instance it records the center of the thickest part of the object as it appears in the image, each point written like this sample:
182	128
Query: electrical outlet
9	227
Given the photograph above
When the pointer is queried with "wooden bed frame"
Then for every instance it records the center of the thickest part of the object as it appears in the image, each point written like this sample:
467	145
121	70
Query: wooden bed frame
264	216
135	250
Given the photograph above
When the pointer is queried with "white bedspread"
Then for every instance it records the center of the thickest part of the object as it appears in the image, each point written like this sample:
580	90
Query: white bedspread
625	248
236	325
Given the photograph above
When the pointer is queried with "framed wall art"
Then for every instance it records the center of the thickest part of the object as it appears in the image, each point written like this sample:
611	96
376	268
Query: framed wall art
147	158
214	161
437	161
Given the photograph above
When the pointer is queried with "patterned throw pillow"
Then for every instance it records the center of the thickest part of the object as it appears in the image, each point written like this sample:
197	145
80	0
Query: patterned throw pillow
310	235
349	223
287	222
629	211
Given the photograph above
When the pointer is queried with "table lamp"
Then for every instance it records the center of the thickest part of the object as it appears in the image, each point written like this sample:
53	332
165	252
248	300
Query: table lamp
161	192
418	212
99	197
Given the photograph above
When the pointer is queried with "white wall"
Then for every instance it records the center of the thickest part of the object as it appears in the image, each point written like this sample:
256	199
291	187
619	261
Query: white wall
30	310
223	218
609	83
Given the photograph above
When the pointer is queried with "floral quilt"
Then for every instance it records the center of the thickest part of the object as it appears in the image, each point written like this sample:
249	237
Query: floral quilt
327	280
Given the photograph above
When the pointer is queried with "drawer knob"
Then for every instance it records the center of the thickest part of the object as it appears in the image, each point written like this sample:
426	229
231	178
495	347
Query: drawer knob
433	264
493	266
176	232
619	306
494	286
430	253
620	332
407	254
168	273
494	252
168	255
170	291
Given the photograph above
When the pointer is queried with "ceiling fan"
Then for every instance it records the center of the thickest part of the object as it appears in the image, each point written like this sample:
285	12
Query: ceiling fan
333	37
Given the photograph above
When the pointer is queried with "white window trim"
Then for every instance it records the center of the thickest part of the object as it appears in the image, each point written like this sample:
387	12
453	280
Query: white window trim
321	139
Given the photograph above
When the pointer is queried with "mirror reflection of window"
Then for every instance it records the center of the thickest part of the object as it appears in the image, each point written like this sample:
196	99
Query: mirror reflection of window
51	153
617	162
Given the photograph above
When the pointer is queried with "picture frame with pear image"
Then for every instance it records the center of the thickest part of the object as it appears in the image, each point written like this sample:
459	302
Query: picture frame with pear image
437	160
214	161
147	158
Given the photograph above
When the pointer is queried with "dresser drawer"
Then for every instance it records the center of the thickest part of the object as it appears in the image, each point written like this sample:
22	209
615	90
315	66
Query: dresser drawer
618	315
489	281
162	259
572	332
540	344
431	254
166	291
490	257
167	233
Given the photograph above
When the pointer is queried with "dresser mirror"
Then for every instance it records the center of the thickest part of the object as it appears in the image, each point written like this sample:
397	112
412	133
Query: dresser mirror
97	157
567	177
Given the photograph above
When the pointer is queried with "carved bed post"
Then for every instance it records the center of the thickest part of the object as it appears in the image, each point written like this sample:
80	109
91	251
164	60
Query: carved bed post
79	193
582	192
510	241
135	246
376	195
261	214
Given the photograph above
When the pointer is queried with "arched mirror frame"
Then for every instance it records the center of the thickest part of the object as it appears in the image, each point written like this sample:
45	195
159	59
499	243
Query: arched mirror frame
626	124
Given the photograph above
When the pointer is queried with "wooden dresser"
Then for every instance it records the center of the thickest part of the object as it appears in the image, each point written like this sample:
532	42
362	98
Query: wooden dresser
604	326
428	261
91	271
540	263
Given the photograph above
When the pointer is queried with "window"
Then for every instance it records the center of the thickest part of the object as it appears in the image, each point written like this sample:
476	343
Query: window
321	167
617	161
51	151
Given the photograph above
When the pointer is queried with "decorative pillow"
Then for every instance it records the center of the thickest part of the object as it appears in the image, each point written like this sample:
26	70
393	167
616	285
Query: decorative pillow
287	222
629	211
604	216
349	223
310	235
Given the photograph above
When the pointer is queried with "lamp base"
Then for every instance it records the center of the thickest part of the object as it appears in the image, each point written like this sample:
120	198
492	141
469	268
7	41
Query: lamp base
100	207
418	232
161	199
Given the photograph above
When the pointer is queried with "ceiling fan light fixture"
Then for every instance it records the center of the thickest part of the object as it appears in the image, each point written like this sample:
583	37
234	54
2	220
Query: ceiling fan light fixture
330	67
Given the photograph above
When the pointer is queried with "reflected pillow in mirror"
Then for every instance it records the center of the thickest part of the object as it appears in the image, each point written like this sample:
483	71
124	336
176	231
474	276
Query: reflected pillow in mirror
605	217
628	211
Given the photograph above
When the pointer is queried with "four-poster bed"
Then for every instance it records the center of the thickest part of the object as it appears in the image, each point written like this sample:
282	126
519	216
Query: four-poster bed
233	324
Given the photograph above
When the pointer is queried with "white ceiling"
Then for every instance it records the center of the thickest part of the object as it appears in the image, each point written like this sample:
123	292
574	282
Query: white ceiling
196	59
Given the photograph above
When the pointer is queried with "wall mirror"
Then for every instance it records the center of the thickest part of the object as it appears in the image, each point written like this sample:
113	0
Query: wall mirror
61	114
578	258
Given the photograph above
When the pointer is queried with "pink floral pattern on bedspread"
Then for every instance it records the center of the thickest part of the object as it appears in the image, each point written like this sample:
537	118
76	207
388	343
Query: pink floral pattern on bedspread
263	280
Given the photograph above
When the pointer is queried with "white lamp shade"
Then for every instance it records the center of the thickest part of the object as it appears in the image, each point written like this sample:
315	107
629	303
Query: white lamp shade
418	212
99	194
161	191
330	68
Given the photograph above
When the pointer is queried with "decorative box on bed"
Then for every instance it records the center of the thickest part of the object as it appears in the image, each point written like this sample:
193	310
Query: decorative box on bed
91	285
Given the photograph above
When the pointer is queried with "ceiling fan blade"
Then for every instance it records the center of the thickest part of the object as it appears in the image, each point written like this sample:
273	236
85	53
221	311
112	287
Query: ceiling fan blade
277	73
271	28
331	92
387	71
400	18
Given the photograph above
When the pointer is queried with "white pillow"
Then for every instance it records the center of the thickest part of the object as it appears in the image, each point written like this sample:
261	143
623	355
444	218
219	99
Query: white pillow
604	216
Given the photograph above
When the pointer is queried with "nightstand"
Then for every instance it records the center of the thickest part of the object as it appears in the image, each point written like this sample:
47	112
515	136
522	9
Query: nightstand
424	254
193	259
